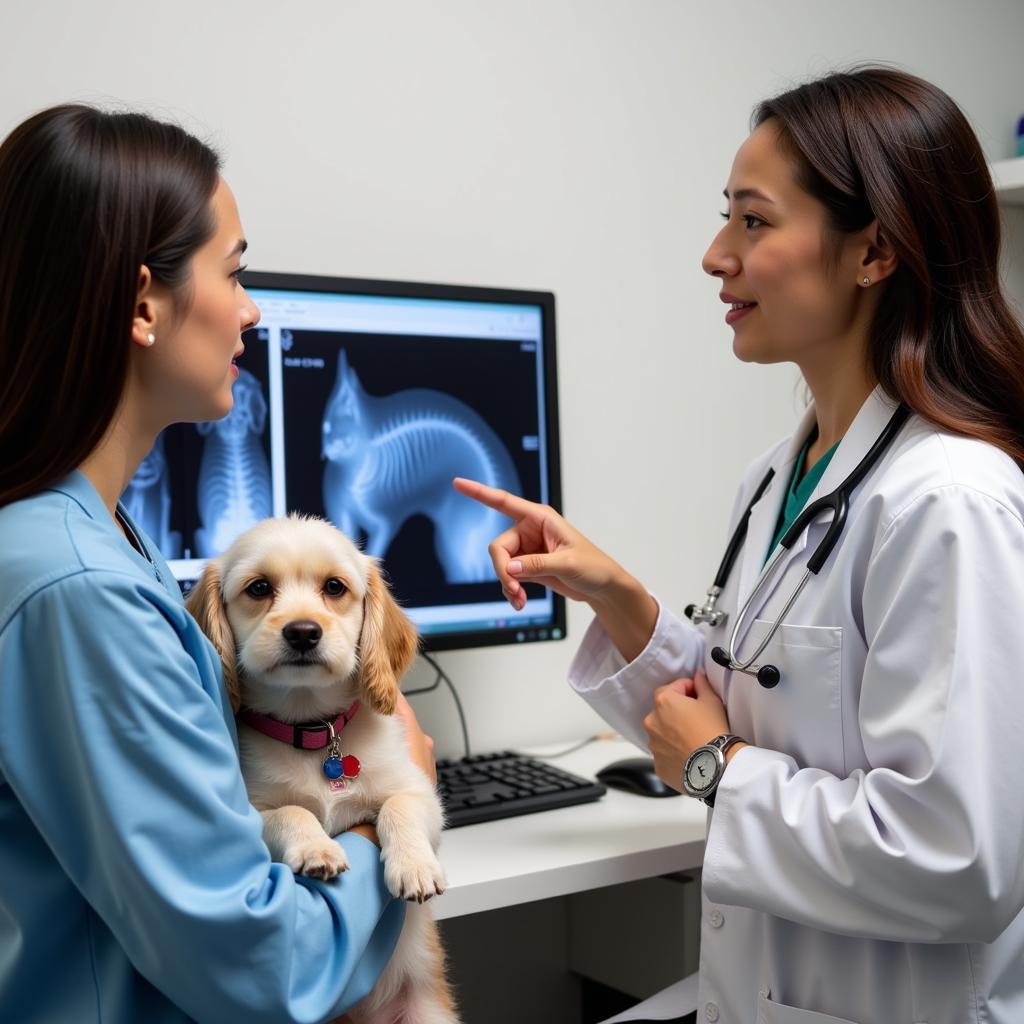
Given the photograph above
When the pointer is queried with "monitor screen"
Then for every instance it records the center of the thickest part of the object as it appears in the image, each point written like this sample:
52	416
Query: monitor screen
359	401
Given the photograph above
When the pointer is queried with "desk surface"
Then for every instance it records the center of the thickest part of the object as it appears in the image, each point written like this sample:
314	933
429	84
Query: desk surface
619	838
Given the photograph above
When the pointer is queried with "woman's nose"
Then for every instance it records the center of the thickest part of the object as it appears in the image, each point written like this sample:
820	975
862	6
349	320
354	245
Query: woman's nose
719	261
250	314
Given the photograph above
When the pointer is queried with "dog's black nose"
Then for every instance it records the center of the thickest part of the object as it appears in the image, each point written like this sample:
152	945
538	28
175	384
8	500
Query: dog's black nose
302	635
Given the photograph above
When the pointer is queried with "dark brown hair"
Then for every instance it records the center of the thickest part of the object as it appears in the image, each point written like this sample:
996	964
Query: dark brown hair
876	142
86	198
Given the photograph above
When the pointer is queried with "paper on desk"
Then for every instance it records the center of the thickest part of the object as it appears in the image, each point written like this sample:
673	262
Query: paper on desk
674	1001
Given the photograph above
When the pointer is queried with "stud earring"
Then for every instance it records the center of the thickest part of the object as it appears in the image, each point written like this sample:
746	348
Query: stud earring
867	280
151	338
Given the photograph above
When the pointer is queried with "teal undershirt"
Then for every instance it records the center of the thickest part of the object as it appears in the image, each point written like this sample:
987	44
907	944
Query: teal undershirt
801	487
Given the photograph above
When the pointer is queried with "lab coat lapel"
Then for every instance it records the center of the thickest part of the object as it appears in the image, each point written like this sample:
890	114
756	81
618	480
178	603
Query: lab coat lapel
869	422
867	425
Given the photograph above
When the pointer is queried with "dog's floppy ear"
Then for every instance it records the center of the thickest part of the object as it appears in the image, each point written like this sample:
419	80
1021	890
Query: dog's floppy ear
207	607
387	645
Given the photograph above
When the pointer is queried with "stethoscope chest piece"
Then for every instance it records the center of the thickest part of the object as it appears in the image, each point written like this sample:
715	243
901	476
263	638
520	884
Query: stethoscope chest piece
707	612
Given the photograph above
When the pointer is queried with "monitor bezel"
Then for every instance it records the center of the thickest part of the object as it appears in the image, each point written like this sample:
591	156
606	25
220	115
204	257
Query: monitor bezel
286	281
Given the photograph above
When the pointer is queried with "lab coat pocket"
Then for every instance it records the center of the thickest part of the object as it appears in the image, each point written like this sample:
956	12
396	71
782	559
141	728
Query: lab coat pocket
802	715
770	1012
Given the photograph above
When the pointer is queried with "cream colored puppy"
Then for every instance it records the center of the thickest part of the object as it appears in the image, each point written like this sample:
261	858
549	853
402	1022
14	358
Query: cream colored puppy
309	637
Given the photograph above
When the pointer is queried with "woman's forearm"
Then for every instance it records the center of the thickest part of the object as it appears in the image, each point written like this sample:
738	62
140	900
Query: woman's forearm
628	614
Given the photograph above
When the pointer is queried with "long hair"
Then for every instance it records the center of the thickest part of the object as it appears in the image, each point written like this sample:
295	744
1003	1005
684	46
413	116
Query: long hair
86	198
876	142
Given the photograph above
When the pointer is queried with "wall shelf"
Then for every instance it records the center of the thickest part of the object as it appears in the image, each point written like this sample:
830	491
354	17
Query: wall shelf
1008	176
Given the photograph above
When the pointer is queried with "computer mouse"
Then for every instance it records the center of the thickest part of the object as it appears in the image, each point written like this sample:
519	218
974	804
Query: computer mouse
635	775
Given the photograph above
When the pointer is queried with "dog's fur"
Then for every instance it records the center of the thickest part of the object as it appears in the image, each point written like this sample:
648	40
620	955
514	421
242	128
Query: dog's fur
366	646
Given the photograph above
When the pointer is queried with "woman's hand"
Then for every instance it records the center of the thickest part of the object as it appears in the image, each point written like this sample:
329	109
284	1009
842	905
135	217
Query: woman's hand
687	714
421	746
541	547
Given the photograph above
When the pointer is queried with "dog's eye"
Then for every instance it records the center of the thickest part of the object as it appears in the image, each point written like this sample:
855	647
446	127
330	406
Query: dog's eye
334	587
259	589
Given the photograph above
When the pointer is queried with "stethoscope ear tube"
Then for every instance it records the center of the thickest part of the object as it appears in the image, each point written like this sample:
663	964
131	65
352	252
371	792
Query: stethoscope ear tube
739	535
838	503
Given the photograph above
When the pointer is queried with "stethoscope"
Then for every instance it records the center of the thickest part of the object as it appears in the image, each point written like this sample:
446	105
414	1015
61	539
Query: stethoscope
838	502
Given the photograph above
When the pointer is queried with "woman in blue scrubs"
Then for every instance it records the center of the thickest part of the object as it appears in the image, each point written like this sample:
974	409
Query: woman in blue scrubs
134	882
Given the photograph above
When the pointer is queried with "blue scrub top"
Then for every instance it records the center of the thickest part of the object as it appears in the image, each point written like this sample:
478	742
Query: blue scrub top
134	882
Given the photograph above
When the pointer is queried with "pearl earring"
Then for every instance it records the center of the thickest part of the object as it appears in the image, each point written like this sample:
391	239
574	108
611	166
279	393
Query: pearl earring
151	338
867	280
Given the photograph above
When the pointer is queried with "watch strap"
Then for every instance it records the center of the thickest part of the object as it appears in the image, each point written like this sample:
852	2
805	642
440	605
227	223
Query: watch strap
723	743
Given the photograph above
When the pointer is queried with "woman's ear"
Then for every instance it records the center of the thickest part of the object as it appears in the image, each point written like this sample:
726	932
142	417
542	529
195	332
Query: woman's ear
206	603
387	645
880	260
144	322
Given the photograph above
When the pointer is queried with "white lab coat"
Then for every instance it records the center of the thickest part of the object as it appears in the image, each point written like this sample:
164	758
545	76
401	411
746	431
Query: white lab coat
865	858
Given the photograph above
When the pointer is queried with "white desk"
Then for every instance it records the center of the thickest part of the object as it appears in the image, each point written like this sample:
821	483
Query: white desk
619	838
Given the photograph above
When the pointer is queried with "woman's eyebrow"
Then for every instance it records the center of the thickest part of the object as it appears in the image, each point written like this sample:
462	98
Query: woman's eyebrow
747	193
240	246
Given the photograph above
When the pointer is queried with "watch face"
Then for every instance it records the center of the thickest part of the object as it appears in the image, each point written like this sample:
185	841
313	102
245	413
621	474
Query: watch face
702	770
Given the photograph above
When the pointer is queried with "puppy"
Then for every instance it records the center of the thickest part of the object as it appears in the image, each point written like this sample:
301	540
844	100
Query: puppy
309	635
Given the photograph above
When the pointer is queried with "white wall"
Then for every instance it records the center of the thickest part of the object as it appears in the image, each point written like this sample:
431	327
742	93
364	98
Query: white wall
579	146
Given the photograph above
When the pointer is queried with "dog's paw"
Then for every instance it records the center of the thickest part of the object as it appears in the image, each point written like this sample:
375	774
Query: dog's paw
320	859
414	879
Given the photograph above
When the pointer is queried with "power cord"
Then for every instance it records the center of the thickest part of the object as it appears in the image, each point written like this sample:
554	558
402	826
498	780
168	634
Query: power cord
441	674
602	736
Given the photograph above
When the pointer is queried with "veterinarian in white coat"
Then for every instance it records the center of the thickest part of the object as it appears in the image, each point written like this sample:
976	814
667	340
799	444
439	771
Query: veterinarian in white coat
865	850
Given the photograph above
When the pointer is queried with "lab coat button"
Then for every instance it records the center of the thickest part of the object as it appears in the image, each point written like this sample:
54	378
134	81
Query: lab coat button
715	919
711	1012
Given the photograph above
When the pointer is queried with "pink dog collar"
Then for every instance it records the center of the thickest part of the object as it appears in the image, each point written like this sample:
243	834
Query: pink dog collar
303	737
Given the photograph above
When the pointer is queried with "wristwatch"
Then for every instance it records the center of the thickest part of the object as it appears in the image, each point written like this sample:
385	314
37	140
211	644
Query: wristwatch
704	767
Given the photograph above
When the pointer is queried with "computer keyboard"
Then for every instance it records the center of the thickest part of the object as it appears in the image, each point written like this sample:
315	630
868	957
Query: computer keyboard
484	787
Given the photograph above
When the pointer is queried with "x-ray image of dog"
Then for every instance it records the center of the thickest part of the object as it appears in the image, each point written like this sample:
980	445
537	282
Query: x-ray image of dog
234	476
148	500
394	457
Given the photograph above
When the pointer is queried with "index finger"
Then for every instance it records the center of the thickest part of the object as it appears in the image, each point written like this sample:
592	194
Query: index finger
501	501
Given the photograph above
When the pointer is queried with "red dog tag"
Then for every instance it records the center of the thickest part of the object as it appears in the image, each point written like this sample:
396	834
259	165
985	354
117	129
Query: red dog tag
350	765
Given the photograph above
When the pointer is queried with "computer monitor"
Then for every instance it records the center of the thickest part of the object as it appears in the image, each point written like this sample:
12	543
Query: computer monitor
359	401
